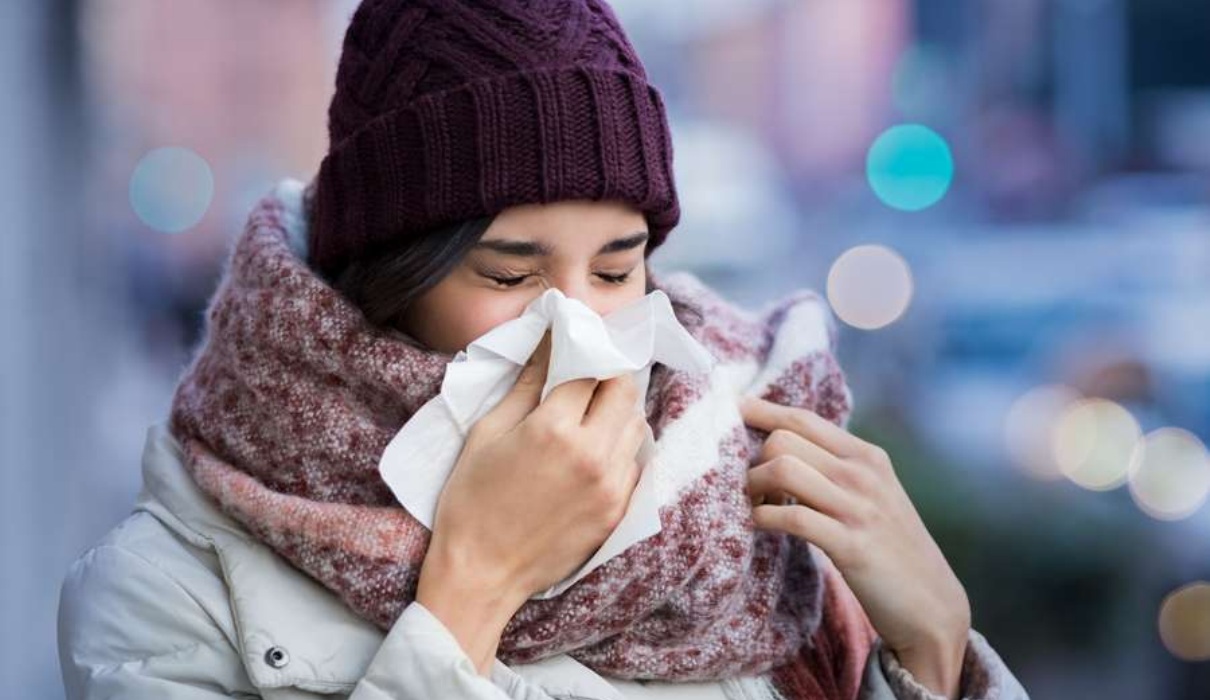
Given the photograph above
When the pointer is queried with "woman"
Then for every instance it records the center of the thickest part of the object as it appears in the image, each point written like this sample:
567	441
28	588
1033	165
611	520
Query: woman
482	153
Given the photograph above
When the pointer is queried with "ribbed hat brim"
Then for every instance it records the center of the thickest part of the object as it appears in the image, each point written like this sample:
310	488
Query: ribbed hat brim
539	135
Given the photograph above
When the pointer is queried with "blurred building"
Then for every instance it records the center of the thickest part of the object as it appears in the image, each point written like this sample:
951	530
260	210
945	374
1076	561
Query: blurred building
1071	249
244	85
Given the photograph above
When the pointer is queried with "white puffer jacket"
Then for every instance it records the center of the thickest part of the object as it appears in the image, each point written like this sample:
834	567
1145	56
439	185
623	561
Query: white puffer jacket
179	602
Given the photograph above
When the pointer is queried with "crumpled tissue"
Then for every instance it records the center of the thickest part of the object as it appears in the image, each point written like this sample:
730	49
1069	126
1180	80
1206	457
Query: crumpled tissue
420	457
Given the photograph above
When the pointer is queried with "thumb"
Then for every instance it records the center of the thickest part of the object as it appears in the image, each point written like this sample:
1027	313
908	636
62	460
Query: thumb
526	393
534	371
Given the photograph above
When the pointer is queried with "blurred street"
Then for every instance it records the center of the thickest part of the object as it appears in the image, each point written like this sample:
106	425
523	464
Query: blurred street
1006	202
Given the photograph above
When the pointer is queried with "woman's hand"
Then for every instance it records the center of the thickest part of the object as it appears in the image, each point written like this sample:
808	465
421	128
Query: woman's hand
536	490
850	503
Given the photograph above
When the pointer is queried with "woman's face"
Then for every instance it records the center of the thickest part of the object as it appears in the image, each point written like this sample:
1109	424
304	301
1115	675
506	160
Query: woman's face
590	250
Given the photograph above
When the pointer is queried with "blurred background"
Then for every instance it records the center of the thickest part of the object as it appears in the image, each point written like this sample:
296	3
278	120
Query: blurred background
1007	203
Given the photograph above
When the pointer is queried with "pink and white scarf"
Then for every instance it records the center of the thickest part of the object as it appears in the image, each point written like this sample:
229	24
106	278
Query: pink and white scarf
292	396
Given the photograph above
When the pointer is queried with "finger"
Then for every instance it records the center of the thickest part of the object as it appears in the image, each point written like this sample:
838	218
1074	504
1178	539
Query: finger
801	481
631	474
777	497
568	401
783	441
627	444
620	443
627	481
800	521
631	439
615	401
769	416
524	395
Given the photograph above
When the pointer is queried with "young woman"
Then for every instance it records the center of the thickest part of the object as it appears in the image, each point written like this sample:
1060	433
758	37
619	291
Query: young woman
481	154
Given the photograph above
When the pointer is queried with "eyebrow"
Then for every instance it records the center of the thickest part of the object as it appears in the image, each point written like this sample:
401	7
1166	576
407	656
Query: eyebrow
531	249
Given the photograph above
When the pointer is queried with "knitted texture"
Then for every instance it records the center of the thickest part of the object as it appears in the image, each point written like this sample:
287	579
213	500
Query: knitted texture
447	110
291	398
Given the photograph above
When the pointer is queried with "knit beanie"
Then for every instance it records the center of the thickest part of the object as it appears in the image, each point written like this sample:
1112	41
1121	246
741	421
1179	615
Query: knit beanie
448	110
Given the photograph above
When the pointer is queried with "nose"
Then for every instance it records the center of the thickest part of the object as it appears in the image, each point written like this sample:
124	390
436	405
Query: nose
575	287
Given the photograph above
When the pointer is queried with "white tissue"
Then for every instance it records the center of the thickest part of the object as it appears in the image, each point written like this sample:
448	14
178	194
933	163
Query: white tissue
418	460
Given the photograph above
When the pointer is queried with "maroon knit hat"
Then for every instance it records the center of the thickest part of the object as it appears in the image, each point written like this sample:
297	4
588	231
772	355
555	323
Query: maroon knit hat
447	110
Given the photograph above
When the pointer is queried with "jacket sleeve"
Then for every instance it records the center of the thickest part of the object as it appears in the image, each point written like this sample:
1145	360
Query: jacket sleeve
848	645
984	676
421	658
127	629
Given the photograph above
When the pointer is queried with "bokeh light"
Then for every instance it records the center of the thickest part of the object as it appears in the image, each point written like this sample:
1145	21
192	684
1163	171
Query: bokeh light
919	82
171	188
910	167
869	286
1029	429
1185	622
1172	479
1095	443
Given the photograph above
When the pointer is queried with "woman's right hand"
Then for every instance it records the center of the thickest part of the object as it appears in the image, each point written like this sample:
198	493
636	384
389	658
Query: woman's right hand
538	487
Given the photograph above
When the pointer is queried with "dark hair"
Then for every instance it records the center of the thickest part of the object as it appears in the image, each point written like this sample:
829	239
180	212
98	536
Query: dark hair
385	281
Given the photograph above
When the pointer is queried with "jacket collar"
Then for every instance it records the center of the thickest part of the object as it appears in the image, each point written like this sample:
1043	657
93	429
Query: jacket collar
329	646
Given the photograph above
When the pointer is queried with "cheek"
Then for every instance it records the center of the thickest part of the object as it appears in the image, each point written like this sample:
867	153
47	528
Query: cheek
482	318
466	316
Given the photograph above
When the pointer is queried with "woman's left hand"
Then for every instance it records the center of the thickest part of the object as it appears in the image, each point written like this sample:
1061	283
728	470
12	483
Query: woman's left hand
850	503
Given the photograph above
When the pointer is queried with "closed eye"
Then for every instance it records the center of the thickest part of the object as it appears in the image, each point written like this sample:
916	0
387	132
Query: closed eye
507	281
514	281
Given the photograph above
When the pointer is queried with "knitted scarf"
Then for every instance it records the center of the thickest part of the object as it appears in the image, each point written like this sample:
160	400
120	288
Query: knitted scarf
292	396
